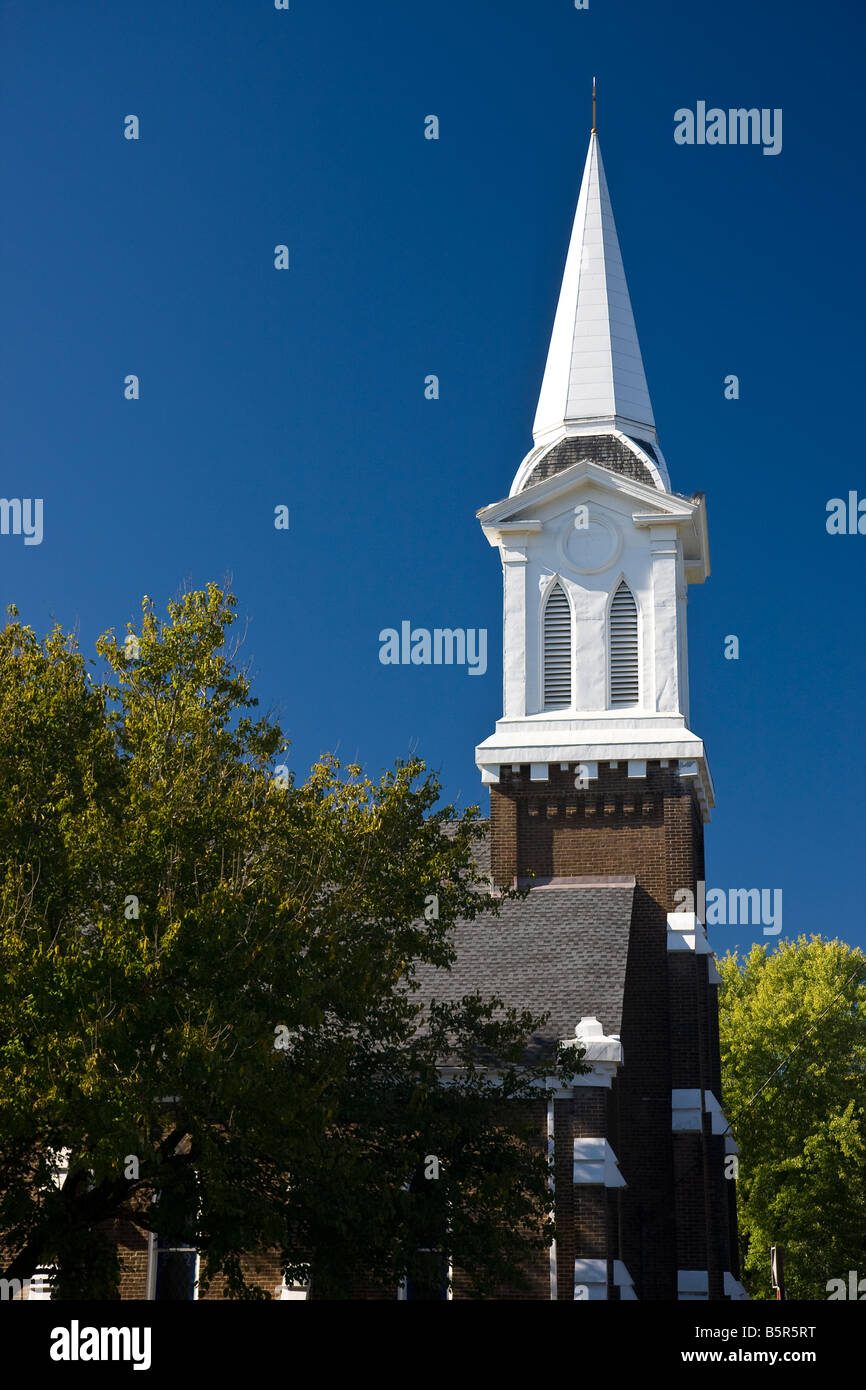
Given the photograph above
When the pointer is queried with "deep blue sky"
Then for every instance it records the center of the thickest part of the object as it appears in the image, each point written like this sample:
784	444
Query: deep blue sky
409	257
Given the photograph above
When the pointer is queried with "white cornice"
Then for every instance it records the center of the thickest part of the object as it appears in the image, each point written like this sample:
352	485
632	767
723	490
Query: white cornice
516	528
532	741
584	469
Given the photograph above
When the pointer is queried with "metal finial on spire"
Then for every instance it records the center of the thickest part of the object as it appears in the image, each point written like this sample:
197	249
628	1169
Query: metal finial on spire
594	126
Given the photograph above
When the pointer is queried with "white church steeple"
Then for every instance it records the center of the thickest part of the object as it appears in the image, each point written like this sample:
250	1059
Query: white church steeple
594	375
597	551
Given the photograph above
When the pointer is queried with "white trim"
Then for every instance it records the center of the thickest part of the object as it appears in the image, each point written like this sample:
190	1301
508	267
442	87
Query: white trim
658	470
693	1285
603	1053
668	508
594	1162
293	1293
599	1046
60	1166
686	1111
152	1253
686	932
613	735
36	1289
592	1275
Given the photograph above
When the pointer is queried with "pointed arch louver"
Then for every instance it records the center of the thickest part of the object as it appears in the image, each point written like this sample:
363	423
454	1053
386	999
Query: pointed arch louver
557	650
624	681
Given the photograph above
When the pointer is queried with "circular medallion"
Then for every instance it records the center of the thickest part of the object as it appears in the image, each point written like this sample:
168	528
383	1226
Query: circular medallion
589	543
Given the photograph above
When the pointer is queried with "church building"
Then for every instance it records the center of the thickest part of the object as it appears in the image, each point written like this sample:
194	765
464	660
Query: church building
599	794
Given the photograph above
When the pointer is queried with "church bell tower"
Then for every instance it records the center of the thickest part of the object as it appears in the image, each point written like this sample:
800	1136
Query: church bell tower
597	550
597	781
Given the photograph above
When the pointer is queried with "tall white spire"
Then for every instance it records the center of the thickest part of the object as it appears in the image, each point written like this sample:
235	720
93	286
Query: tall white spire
594	378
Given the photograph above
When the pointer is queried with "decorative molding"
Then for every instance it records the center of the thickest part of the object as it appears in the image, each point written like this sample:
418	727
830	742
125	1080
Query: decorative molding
687	933
599	736
570	538
595	1162
686	1111
693	1284
293	1292
603	1053
592	1276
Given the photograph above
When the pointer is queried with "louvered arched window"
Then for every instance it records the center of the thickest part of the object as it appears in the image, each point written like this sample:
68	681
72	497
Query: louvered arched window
557	650
623	648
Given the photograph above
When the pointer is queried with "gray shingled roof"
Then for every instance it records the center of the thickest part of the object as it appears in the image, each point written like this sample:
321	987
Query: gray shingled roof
603	449
561	951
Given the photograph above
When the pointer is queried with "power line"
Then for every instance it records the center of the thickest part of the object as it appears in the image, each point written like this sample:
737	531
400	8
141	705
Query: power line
786	1059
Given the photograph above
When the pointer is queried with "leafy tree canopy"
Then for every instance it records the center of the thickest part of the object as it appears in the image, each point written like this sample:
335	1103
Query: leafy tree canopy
206	979
793	1037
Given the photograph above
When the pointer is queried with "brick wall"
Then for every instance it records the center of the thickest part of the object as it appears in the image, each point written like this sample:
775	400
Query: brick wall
652	828
132	1246
582	1215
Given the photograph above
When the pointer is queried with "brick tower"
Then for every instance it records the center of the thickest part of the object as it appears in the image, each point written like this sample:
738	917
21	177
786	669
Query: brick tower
599	792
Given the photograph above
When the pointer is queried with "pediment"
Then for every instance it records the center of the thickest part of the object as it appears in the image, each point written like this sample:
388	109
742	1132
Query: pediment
584	477
542	503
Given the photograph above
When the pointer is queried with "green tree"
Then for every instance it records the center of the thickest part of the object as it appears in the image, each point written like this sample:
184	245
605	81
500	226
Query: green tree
206	978
793	1037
